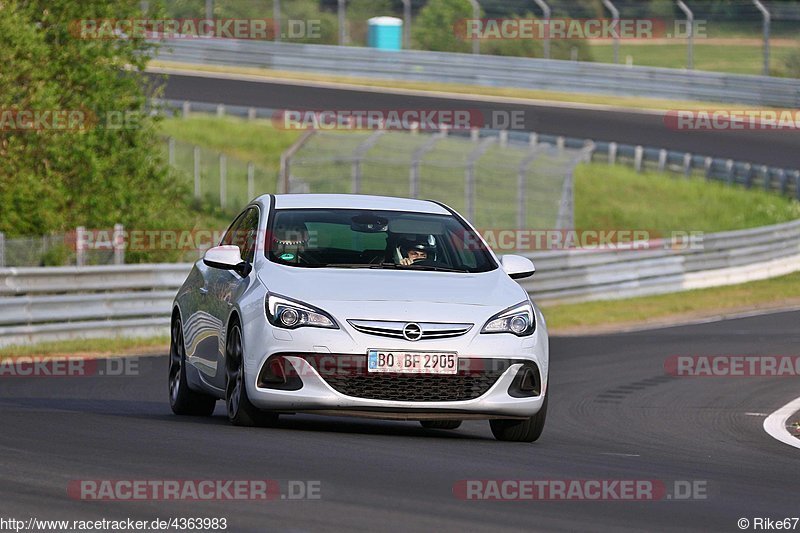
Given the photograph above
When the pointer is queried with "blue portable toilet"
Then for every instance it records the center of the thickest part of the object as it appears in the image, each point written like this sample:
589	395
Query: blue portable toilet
385	33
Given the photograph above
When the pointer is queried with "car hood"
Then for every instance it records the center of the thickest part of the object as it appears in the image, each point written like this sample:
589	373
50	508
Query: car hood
319	285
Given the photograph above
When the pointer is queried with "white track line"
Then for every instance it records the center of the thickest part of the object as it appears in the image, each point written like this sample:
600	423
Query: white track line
775	424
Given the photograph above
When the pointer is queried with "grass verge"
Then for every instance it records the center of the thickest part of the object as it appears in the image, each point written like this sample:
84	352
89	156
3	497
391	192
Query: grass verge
733	58
91	347
617	197
609	315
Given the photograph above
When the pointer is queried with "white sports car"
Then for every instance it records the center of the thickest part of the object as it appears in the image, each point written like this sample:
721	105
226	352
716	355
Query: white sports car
364	306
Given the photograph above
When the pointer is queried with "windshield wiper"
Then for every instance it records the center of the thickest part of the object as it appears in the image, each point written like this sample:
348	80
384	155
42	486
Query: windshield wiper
393	266
347	265
435	268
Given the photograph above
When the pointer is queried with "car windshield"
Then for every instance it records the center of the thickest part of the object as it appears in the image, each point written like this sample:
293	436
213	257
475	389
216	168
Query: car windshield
357	238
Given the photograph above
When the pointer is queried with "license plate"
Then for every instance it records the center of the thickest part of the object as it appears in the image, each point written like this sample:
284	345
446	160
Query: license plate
412	362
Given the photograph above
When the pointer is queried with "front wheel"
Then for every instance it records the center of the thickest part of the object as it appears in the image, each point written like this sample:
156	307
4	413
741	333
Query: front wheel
527	430
182	399
240	411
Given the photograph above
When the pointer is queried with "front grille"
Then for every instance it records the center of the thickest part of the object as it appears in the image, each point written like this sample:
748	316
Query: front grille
428	330
474	378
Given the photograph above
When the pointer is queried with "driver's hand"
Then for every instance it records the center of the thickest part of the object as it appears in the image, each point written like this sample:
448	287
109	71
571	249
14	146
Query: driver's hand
406	261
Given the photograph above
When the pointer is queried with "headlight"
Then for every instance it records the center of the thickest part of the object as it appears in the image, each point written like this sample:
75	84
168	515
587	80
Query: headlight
291	314
518	320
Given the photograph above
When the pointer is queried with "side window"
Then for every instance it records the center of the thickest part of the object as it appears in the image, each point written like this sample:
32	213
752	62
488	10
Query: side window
230	235
243	233
248	235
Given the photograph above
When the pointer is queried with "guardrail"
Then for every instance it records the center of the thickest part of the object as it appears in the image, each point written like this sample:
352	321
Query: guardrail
493	71
44	304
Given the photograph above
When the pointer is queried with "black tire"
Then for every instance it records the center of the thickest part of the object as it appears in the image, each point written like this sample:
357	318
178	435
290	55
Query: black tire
527	430
240	411
182	399
440	424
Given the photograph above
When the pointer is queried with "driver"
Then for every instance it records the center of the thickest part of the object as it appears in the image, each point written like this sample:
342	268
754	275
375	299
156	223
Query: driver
289	242
413	251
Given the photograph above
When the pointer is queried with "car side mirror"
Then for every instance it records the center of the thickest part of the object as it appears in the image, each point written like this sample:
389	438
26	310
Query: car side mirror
517	267
227	257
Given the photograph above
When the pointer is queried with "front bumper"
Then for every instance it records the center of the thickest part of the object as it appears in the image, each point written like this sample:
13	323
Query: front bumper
325	393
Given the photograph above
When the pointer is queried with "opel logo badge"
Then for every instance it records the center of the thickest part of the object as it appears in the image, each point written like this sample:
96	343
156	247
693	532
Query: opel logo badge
412	332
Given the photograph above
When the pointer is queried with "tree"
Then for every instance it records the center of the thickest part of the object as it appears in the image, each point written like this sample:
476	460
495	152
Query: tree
108	170
435	26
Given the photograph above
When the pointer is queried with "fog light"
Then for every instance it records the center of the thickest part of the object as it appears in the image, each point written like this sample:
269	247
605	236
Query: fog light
518	324
289	317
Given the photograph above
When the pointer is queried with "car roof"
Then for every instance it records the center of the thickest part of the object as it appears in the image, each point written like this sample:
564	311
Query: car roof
357	201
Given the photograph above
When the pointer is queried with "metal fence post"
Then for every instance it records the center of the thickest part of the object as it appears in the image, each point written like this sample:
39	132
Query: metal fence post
342	22
209	9
251	180
638	156
358	155
284	174
276	19
687	164
119	244
171	151
615	16
689	34
783	180
767	175
748	175
546	15
476	14
662	159
2	249
708	163
80	243
612	153
767	20
522	185
416	159
220	110
196	157
186	109
469	176
407	24
589	148
729	171
797	184
223	180
566	210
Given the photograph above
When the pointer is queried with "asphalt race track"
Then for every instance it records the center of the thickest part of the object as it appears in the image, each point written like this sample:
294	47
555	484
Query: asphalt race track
614	414
777	148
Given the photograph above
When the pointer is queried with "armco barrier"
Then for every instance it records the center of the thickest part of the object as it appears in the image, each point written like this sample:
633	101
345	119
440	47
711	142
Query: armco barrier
43	304
493	71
